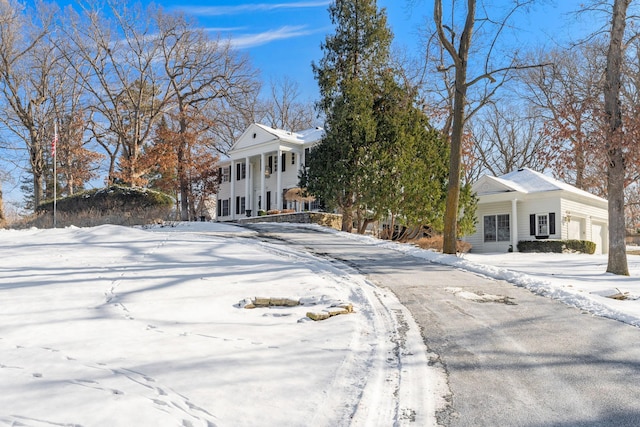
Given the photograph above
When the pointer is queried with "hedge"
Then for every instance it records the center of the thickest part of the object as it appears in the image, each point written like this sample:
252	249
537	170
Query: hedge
557	246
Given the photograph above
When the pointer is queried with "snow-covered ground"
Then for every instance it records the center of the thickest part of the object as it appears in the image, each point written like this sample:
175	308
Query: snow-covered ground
115	326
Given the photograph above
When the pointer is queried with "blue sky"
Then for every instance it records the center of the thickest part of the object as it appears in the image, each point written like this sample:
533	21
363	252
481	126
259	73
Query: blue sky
283	37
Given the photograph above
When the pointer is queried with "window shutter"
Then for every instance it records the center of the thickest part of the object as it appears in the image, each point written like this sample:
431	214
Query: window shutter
237	171
532	224
552	223
284	161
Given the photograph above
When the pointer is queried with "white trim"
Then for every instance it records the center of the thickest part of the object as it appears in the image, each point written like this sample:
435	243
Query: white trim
263	190
514	225
278	167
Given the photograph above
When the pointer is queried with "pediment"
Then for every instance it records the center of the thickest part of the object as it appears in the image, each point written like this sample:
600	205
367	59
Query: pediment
253	136
491	185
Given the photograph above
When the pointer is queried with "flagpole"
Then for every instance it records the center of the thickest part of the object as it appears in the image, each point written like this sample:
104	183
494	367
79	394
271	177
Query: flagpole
55	171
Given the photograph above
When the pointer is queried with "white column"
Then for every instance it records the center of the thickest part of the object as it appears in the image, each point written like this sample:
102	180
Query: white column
300	204
514	225
263	191
232	205
279	182
247	188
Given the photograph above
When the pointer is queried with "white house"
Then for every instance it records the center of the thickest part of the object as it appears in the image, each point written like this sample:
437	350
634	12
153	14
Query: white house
263	165
527	205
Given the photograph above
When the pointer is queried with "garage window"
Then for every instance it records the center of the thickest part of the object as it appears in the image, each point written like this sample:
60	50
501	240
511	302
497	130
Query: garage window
497	228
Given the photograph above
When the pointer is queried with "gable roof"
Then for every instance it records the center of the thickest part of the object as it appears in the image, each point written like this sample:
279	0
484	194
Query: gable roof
526	181
258	134
302	137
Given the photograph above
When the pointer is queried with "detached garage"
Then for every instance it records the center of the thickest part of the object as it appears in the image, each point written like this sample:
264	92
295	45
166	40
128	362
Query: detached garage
527	205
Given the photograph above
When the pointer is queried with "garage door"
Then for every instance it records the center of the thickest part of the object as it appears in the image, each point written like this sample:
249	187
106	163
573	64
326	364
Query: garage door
575	226
597	236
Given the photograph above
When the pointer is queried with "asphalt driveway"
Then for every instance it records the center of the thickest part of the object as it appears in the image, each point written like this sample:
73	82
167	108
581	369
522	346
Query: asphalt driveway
512	358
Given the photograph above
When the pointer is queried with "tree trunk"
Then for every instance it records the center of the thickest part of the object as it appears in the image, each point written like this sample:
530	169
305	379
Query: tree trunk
617	261
182	154
184	186
450	234
37	171
2	218
460	58
347	214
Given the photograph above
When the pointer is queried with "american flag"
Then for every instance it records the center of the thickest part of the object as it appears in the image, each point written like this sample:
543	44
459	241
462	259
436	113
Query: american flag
54	141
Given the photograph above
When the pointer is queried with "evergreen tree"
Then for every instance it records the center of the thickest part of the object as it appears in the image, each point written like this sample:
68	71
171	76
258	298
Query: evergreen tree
353	59
380	157
408	180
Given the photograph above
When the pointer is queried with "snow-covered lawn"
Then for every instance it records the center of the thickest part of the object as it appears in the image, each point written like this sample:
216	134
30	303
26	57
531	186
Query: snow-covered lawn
115	326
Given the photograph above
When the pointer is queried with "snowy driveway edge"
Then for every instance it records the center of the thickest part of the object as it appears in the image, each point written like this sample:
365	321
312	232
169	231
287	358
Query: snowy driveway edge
406	384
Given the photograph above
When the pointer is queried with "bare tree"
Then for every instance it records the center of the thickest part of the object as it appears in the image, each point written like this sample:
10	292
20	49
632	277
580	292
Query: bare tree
28	55
283	110
115	58
455	58
508	138
202	75
568	96
617	259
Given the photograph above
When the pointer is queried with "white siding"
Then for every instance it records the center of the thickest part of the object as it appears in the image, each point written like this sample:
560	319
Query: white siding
590	220
477	239
593	220
538	206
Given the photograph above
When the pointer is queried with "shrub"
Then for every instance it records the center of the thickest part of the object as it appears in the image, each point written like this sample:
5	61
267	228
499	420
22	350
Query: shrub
557	246
554	246
582	246
436	243
273	212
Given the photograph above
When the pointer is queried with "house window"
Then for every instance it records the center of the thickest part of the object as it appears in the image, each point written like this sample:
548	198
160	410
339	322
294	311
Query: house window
240	205
497	228
542	225
241	171
225	207
224	174
273	164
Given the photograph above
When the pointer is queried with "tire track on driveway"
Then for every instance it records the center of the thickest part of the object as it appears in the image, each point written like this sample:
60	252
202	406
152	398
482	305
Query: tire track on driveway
532	362
394	387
